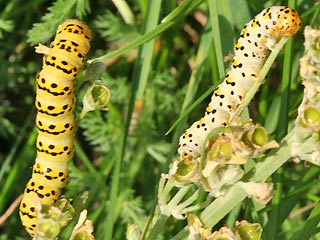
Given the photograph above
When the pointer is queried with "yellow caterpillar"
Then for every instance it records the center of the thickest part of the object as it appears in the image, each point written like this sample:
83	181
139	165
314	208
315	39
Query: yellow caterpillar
55	119
257	38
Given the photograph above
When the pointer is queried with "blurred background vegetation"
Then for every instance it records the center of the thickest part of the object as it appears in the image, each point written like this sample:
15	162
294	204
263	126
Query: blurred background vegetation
148	82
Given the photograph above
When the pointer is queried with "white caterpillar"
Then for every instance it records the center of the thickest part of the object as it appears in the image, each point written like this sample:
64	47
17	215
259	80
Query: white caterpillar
257	38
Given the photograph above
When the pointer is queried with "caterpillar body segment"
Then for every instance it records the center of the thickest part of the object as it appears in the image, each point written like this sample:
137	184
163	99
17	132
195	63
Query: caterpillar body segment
55	118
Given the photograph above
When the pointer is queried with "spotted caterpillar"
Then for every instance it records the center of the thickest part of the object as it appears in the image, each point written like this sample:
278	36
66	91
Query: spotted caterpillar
257	38
55	118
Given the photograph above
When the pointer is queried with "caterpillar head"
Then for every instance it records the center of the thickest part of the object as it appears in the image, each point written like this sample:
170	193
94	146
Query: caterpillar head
288	22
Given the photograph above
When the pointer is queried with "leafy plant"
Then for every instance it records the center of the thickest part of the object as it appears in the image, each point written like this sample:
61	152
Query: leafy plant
162	60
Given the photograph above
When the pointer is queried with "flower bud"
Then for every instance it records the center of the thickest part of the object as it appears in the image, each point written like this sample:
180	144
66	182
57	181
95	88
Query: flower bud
184	172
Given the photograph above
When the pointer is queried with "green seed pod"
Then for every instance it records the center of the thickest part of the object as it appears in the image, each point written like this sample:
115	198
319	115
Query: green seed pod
259	136
255	137
48	229
185	172
248	231
311	115
220	150
95	98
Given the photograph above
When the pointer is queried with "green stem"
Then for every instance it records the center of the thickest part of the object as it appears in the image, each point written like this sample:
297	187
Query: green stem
214	17
84	158
285	92
171	19
125	11
222	206
157	228
266	168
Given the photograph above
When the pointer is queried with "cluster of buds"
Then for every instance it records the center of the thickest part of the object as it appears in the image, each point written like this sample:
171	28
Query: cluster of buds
228	152
306	141
221	165
243	230
51	219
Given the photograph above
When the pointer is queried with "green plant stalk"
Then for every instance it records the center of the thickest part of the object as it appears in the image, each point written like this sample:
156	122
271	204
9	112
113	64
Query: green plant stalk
84	158
189	201
213	10
15	172
161	217
233	216
175	200
220	207
285	92
273	226
171	19
5	166
140	78
311	226
314	21
161	220
184	8
125	11
143	65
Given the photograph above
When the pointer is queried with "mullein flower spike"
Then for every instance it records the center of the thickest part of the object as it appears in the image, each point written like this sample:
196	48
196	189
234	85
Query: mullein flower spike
306	140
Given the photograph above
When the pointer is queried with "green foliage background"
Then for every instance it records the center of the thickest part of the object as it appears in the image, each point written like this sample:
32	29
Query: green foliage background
121	153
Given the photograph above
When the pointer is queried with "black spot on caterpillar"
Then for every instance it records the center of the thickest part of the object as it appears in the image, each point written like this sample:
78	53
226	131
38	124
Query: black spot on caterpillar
257	38
55	119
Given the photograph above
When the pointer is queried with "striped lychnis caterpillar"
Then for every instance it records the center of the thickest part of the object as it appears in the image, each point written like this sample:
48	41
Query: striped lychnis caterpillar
55	118
257	38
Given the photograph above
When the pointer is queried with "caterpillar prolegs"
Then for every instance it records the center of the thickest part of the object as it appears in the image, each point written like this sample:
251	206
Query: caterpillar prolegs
55	118
256	40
